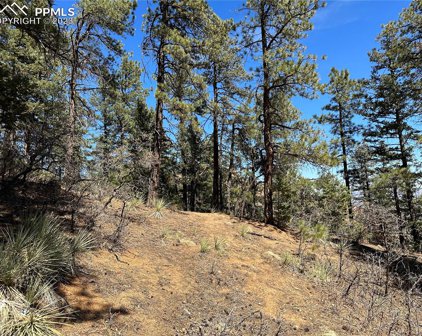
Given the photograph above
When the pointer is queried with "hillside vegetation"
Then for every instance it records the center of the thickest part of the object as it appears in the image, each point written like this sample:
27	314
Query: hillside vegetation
161	172
192	273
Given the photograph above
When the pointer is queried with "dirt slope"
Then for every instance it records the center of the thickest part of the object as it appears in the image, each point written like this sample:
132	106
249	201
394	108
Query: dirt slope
161	284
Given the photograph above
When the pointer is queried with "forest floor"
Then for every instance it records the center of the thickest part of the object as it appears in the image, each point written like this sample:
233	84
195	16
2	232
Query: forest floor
158	282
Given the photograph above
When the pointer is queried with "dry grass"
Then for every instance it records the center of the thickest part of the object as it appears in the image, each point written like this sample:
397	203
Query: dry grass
152	288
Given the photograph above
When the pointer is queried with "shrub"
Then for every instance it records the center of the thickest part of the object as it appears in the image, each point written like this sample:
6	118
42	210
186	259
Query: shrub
315	234
244	231
205	246
35	256
219	244
39	248
322	270
82	242
158	205
19	318
290	260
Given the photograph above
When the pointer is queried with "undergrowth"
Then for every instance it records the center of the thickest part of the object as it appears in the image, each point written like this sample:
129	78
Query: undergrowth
35	256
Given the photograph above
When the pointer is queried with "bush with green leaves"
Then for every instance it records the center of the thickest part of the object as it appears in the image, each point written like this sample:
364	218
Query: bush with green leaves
315	235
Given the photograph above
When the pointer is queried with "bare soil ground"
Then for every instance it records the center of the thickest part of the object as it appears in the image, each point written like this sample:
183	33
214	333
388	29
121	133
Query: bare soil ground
159	283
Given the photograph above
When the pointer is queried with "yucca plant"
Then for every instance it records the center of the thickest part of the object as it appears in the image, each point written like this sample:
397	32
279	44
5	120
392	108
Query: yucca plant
35	256
39	249
204	246
82	242
244	231
158	205
219	244
322	270
39	293
290	260
18	318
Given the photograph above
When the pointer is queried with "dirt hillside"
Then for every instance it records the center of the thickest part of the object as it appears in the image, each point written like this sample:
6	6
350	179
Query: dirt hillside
158	282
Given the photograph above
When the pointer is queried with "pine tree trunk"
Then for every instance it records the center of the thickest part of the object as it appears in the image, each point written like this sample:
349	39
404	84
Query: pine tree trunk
398	212
231	167
192	198
70	169
8	154
409	193
106	144
367	186
268	143
221	189
253	187
154	182
216	160
346	174
185	188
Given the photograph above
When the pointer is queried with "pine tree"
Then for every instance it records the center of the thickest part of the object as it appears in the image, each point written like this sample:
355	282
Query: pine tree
342	108
393	104
273	30
361	171
171	29
119	101
224	73
92	44
31	101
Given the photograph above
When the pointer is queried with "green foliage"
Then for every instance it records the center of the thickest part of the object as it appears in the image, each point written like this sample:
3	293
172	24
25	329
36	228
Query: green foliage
322	270
313	234
82	242
19	318
158	205
344	104
204	246
290	260
244	231
34	257
392	107
39	250
220	244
